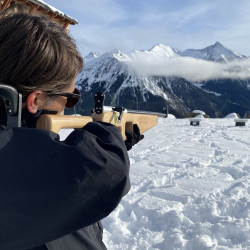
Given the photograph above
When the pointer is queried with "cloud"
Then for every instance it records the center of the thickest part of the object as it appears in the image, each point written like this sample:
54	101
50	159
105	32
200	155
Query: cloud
191	69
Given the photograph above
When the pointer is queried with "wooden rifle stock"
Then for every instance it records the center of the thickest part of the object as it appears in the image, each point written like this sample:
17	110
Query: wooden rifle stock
56	122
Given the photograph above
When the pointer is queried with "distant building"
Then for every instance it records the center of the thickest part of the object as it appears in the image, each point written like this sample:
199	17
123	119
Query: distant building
38	7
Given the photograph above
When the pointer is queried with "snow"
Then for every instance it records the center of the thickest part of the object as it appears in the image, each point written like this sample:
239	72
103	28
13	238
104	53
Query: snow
54	10
189	189
200	116
162	50
232	115
170	116
150	70
99	68
216	52
198	112
91	56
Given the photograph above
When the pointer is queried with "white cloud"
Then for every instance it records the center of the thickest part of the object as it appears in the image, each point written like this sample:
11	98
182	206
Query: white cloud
189	68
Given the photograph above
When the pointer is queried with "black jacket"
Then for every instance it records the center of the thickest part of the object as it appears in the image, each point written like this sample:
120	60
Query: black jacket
49	190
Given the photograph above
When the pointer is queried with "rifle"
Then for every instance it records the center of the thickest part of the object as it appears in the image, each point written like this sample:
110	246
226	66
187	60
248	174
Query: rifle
123	119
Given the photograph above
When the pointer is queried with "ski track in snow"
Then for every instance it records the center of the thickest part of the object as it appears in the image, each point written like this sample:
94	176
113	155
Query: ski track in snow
189	189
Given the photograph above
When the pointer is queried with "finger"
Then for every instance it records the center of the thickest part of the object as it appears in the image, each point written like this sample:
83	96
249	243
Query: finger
136	129
141	137
128	145
130	135
131	138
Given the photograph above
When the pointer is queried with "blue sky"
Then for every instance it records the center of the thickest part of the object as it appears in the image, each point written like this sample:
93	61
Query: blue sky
140	24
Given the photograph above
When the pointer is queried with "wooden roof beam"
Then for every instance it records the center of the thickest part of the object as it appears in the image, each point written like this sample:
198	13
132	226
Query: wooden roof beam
5	4
52	16
33	9
66	24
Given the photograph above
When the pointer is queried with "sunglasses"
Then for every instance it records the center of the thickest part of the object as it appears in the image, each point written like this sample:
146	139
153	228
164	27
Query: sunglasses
72	98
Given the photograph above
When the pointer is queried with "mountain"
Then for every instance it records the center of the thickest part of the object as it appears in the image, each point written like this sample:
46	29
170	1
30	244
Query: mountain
216	53
113	74
110	74
92	55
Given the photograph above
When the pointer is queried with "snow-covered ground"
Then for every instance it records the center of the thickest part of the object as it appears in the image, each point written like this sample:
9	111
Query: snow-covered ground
190	189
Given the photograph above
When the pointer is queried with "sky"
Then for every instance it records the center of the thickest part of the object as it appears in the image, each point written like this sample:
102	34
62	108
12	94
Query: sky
129	25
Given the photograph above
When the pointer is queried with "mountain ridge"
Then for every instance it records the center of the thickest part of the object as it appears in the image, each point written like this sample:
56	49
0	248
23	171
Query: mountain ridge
111	74
216	52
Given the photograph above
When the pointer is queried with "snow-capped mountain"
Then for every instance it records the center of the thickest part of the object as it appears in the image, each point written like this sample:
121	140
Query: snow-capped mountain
92	55
110	74
216	52
159	50
116	74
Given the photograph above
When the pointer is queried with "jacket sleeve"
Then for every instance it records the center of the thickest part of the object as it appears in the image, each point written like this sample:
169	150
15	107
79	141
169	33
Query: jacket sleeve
99	167
60	187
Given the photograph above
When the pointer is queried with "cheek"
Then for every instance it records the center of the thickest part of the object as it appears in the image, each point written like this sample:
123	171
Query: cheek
57	104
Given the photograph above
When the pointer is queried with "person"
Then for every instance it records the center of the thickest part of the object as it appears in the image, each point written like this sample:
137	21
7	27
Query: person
53	193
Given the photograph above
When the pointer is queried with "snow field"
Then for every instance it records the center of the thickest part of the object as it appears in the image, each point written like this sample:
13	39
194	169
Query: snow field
189	189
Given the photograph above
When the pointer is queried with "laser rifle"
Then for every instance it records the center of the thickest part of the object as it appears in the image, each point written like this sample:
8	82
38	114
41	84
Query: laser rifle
122	118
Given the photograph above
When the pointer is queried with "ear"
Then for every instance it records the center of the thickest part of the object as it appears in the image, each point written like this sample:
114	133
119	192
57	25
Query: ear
33	101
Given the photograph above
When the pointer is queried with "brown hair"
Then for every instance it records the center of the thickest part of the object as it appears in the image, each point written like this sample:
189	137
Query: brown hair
36	54
14	8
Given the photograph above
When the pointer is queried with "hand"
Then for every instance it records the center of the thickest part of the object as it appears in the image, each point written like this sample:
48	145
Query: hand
133	137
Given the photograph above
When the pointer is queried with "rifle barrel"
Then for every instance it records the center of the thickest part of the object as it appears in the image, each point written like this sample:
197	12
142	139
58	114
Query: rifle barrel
146	113
132	111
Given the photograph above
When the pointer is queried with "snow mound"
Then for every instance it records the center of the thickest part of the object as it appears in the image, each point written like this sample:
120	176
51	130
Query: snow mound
171	116
200	116
232	115
198	112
